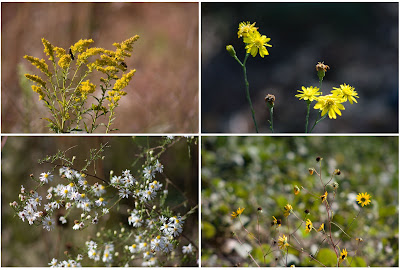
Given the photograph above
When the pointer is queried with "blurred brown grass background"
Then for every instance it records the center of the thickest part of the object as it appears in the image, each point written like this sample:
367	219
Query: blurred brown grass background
163	95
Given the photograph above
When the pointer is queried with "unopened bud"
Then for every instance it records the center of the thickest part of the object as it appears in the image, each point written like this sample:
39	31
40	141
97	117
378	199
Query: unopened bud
231	50
270	100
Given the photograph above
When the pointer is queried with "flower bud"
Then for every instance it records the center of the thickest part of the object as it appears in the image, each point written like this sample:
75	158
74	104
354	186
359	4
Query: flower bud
321	69
311	171
318	159
337	172
231	50
270	100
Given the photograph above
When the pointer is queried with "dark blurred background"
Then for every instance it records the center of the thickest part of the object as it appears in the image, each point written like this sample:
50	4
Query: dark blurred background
256	171
359	41
24	245
163	94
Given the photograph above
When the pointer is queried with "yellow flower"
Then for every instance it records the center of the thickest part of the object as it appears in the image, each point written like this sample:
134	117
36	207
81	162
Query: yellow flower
245	28
330	104
125	46
311	171
309	225
309	93
40	64
323	197
87	87
83	56
123	82
343	255
38	90
48	49
237	213
288	208
81	45
347	92
36	79
256	43
276	222
282	242
296	190
322	227
60	52
64	61
363	199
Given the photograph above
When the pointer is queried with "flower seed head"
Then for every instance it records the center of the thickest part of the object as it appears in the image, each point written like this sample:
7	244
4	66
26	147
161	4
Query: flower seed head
318	159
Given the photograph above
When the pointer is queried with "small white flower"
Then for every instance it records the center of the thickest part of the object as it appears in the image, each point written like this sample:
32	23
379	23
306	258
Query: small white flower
124	193
147	255
79	257
105	211
143	246
49	196
63	220
168	247
48	223
53	262
22	189
187	249
149	172
158	166
46	177
100	202
133	248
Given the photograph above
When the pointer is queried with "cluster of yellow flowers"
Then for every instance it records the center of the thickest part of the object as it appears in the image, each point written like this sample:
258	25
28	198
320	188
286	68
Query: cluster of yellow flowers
331	104
255	42
70	89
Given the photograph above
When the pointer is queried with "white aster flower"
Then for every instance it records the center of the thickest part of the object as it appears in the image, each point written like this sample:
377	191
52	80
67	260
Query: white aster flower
187	249
46	177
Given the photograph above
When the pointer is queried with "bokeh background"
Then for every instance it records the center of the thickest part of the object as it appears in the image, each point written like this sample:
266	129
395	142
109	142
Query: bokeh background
23	245
252	172
162	96
359	41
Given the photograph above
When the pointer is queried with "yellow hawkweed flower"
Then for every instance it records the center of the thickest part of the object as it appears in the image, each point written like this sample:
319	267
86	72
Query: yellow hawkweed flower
296	190
330	104
64	61
343	255
48	49
363	199
237	213
309	93
283	242
309	225
288	208
323	197
36	79
256	43
123	82
276	222
347	92
40	64
245	28
322	227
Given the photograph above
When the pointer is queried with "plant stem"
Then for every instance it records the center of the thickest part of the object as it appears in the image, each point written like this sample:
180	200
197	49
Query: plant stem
247	91
271	122
317	121
308	114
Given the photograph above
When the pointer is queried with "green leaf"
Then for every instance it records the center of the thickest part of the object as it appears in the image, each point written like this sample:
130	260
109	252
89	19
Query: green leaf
208	231
358	262
259	253
327	257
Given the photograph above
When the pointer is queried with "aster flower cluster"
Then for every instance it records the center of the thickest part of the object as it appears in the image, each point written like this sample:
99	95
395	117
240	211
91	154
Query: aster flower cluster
76	88
67	263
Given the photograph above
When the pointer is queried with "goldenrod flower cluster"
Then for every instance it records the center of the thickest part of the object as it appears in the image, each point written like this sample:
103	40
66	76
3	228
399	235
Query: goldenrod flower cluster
40	64
106	61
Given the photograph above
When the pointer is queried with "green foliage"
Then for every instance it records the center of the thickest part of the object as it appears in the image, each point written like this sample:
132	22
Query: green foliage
252	172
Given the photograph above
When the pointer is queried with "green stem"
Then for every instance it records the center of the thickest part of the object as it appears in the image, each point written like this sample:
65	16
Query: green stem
271	122
247	91
317	121
308	114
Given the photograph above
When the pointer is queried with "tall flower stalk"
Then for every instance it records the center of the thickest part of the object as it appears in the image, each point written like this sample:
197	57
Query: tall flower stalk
255	44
